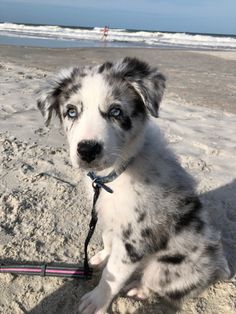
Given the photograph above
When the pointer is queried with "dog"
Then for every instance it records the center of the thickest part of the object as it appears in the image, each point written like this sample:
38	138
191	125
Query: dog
155	229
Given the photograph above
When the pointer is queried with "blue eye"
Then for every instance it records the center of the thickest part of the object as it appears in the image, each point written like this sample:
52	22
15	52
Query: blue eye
72	113
115	112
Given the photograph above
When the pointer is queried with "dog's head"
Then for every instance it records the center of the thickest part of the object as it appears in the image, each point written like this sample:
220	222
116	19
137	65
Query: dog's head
103	109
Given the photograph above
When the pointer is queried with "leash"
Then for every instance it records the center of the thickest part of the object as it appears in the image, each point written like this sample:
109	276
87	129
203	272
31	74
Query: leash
85	272
97	184
46	270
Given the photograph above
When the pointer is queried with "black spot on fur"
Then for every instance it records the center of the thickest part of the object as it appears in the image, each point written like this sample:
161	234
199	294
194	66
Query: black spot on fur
153	241
211	249
116	92
104	66
146	233
72	90
133	253
141	217
172	259
126	233
193	202
69	84
123	120
167	276
78	72
139	108
189	217
162	243
62	86
194	248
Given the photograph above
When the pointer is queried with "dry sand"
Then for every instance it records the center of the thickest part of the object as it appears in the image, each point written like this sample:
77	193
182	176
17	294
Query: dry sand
43	209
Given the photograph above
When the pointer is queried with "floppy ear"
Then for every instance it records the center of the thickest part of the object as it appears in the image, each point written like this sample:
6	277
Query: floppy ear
47	101
148	82
50	94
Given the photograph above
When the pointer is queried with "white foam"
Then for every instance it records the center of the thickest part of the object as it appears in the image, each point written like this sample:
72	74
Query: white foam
119	35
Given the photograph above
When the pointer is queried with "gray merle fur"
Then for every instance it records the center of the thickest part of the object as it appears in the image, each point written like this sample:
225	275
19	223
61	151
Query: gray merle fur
157	224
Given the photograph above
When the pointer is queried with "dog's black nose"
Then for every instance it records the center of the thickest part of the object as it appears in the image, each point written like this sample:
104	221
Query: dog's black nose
89	150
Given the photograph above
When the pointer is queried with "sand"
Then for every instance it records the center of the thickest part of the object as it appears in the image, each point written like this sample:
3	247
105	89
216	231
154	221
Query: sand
43	208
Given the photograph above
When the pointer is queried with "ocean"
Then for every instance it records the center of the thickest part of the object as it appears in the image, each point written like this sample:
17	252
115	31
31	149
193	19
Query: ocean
65	36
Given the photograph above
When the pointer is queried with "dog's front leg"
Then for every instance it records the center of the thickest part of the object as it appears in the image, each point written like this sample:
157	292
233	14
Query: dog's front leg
114	276
99	260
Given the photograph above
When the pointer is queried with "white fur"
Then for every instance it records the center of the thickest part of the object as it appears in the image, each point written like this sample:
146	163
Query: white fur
153	226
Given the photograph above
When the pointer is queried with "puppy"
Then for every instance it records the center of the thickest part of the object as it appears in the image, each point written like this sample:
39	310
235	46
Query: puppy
153	224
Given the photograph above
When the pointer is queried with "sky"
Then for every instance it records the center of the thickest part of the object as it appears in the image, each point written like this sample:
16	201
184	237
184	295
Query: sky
200	16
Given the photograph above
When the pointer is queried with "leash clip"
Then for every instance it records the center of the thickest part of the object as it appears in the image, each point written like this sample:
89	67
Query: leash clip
97	182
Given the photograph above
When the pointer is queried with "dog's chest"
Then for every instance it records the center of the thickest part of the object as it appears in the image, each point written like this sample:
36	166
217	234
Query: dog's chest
118	207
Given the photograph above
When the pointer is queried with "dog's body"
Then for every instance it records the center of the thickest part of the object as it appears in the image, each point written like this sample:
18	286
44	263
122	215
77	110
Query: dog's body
153	224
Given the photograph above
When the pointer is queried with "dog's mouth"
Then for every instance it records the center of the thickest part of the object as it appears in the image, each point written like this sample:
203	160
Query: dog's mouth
92	162
95	165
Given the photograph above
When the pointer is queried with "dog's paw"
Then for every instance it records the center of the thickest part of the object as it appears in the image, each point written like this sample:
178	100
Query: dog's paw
99	260
137	291
93	303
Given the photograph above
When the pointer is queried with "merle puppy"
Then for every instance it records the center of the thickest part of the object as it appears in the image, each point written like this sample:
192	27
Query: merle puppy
153	224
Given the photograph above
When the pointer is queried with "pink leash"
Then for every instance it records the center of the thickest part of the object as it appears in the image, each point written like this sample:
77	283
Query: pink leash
47	270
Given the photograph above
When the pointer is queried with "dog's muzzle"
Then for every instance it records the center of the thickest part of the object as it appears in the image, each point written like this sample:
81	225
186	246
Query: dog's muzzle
89	150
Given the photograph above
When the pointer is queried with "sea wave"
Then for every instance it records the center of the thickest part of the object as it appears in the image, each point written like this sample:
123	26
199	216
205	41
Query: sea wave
146	38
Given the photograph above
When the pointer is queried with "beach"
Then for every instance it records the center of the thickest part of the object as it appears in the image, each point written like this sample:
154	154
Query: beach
44	213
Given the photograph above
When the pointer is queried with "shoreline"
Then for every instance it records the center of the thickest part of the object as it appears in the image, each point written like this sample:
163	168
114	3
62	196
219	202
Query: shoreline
91	44
45	35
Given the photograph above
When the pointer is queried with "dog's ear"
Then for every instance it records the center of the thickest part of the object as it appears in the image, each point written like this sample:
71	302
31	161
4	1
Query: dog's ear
47	101
48	95
148	82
